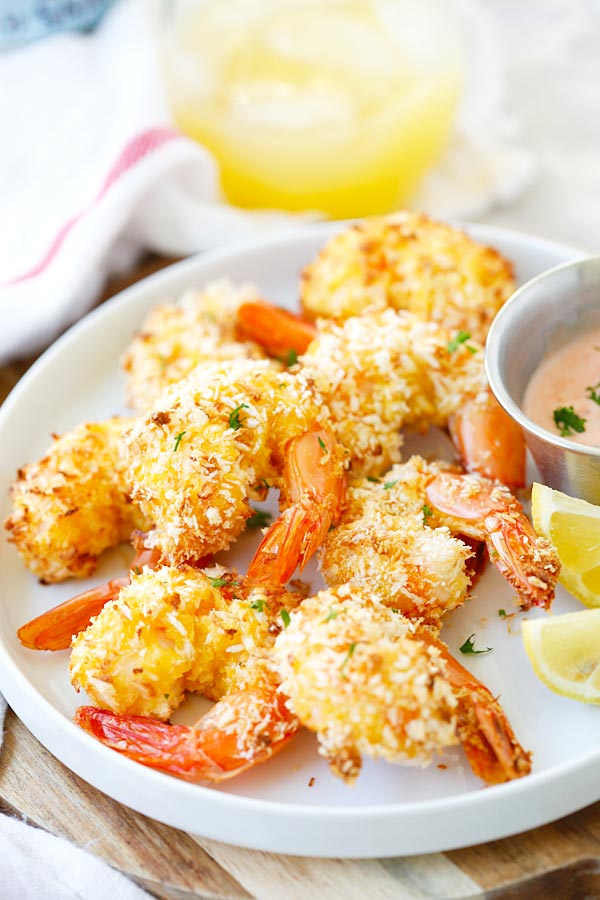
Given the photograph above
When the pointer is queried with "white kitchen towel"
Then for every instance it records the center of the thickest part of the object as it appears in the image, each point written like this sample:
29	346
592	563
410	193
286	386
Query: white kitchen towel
37	865
93	172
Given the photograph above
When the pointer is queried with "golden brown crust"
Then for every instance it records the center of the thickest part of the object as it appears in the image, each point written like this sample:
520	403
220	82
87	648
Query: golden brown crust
175	338
194	459
74	503
407	261
356	675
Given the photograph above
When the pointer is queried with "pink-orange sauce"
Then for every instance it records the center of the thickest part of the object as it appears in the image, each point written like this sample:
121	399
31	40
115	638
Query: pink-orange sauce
566	378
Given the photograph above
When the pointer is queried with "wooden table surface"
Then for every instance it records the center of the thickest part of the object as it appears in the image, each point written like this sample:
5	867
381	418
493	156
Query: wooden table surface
172	864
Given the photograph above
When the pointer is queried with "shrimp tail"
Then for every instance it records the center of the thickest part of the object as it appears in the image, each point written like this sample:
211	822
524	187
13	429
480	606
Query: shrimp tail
315	485
55	628
243	729
276	330
487	737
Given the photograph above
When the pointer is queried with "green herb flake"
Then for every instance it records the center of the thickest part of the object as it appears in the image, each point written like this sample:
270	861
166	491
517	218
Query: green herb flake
322	445
593	393
469	646
166	696
220	582
234	417
332	527
501	613
137	570
332	614
178	440
260	519
427	513
351	650
258	605
389	484
567	421
292	358
373	479
285	617
461	338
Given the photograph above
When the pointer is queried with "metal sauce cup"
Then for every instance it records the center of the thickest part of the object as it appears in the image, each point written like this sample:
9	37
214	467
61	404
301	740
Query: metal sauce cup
539	317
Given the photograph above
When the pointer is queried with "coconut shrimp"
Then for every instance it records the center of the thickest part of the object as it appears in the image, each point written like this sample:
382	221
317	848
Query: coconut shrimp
74	503
175	338
173	631
388	370
369	682
407	261
225	434
401	536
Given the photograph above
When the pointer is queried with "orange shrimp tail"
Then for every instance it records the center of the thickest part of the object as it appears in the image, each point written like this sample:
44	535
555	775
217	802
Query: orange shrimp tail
488	441
527	563
243	729
55	629
489	742
489	512
275	330
315	484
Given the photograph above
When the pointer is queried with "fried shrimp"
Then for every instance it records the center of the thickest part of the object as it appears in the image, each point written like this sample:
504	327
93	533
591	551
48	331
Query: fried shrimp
172	631
401	537
74	503
407	261
387	370
175	338
370	682
221	435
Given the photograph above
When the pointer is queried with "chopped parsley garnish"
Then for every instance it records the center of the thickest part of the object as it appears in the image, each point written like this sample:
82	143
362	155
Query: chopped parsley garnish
389	484
285	617
291	359
178	440
461	338
220	582
234	417
373	479
332	527
137	570
260	519
351	650
567	421
322	445
258	605
332	614
501	613
469	646
427	513
593	393
166	696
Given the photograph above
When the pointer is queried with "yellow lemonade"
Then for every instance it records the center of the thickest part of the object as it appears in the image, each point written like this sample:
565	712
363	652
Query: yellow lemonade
331	105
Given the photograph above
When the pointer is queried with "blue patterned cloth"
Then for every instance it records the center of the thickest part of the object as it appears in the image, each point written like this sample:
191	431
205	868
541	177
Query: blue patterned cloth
22	21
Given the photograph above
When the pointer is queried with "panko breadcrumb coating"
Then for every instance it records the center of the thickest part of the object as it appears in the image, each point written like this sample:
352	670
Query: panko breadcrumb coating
385	371
356	675
175	630
74	503
407	261
175	338
385	542
211	440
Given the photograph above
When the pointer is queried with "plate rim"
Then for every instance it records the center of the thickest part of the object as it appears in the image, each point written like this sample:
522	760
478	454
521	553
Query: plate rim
66	733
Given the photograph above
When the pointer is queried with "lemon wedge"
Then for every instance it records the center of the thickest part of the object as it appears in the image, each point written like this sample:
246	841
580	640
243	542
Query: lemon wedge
573	527
565	653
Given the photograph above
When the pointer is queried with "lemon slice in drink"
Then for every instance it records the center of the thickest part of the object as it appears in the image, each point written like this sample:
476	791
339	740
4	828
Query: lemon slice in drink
573	527
565	653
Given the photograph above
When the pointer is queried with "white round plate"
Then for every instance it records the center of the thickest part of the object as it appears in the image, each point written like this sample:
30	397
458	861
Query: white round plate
278	807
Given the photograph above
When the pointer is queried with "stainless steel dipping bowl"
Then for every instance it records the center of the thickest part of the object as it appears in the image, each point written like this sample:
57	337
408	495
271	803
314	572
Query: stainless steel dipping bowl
540	317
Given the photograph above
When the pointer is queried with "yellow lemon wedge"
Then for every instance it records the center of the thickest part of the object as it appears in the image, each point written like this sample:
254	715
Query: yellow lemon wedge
565	653
573	527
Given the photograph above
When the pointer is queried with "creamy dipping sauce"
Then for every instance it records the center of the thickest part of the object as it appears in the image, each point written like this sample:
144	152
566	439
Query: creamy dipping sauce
562	386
